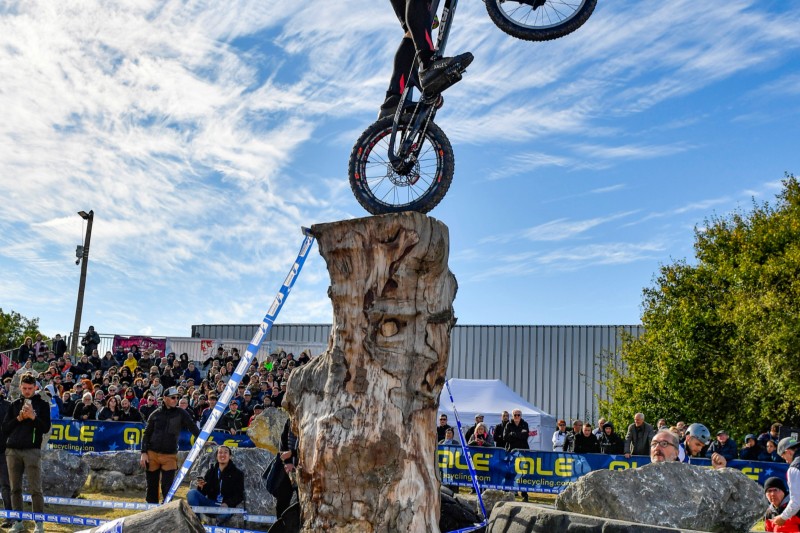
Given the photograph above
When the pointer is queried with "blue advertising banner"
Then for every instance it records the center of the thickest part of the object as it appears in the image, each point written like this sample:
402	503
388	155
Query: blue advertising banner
551	472
96	436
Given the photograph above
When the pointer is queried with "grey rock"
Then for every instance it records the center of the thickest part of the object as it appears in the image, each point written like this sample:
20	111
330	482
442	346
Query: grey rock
457	512
265	431
517	517
672	494
63	474
114	472
175	517
126	462
492	497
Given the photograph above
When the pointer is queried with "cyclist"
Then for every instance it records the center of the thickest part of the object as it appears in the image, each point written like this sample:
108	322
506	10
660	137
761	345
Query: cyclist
435	75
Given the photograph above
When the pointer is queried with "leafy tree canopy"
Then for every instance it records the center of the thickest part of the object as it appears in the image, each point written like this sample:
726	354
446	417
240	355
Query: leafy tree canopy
14	328
722	336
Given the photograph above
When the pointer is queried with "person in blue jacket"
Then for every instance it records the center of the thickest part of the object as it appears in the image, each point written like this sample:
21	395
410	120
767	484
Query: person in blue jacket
724	445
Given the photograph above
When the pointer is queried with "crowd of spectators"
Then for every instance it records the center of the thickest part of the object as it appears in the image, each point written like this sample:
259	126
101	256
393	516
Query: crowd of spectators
126	385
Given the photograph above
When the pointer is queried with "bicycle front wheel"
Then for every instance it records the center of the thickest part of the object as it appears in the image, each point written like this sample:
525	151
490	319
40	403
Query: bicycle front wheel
381	189
550	20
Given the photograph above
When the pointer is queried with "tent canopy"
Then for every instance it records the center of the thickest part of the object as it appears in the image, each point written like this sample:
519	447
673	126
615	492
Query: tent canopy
490	397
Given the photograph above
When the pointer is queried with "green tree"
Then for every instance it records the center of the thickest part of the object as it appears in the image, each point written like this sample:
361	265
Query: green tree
14	328
722	336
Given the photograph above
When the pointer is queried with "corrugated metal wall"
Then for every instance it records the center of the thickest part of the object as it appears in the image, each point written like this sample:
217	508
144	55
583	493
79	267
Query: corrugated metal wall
557	368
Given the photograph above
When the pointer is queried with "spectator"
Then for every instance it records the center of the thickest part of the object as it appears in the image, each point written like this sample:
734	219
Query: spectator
67	406
288	455
257	410
107	361
481	437
441	429
40	365
183	403
120	354
774	434
111	411
160	444
497	433
212	402
5	484
246	404
664	447
560	436
598	431
233	420
192	372
83	366
167	378
750	451
771	453
94	359
59	346
27	420
681	427
778	497
449	438
585	441
183	364
661	425
222	485
516	436
569	442
86	410
148	405
128	413
639	436
610	442
131	363
90	341
786	449
25	351
471	429
725	446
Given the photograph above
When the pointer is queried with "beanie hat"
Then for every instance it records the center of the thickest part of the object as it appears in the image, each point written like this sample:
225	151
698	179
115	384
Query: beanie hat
777	483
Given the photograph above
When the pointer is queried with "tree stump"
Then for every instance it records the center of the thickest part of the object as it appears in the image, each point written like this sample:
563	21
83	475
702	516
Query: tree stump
365	410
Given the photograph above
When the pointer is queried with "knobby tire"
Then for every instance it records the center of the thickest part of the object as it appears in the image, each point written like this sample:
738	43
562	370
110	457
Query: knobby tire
544	25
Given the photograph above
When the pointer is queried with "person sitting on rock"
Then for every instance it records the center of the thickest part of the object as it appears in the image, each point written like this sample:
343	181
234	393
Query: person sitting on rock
585	441
778	497
610	442
221	486
664	447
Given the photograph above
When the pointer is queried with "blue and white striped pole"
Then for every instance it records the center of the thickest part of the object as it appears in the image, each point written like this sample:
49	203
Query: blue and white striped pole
244	363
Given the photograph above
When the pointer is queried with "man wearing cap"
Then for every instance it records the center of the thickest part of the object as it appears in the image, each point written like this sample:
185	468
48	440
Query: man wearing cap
786	449
724	445
778	497
160	444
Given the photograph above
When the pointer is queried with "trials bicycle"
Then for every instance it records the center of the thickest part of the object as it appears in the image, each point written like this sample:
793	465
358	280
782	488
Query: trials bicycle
406	162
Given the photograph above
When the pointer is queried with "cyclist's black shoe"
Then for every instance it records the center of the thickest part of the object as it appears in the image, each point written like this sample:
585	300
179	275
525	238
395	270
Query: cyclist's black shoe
444	72
389	106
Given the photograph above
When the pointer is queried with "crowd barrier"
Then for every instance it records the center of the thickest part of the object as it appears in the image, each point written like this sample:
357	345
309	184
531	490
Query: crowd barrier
552	472
79	437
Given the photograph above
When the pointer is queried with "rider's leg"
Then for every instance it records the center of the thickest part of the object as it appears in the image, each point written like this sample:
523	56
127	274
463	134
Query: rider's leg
403	68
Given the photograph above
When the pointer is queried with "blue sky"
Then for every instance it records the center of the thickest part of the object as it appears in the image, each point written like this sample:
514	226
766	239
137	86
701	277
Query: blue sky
205	134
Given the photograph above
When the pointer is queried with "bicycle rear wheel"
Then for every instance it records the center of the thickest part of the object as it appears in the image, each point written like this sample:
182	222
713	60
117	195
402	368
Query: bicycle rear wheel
551	20
380	189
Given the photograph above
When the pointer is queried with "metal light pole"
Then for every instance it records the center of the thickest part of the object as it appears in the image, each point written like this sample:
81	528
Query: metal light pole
82	253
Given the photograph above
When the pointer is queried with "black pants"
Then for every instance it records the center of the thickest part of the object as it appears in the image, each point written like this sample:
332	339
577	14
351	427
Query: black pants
167	477
5	484
415	17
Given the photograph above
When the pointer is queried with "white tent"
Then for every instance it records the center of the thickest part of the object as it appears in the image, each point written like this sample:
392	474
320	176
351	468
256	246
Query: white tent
490	397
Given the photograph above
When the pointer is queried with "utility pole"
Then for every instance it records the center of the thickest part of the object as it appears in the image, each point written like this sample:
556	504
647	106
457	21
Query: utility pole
81	253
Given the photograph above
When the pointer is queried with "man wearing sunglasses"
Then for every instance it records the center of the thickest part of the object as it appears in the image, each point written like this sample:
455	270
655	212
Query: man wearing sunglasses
160	444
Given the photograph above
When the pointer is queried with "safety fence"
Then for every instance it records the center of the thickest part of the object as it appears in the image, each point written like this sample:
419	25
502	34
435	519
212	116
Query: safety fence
552	472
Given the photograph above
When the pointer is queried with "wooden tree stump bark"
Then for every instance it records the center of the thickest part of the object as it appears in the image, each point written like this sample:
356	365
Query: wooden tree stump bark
365	410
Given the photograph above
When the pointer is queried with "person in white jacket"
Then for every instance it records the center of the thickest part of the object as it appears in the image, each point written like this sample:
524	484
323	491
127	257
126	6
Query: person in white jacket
560	436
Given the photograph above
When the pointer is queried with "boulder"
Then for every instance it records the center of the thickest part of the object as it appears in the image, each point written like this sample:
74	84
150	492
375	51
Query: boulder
677	495
492	497
63	474
517	517
175	517
265	431
114	472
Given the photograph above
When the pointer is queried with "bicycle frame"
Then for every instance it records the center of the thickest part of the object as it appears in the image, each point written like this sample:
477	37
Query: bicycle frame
411	140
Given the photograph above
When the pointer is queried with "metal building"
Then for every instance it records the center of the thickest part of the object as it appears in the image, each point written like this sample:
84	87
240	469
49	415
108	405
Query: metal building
556	368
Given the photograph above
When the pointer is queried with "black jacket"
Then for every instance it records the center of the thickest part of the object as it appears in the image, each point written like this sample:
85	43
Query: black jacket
497	434
133	415
232	484
5	405
516	436
584	444
82	409
441	430
164	428
28	433
611	444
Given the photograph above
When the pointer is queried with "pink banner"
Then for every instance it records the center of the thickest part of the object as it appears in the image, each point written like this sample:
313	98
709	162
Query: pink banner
142	342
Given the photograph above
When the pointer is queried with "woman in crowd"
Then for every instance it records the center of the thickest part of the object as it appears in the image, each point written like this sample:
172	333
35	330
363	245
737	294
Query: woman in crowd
107	361
67	407
85	410
111	411
481	437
